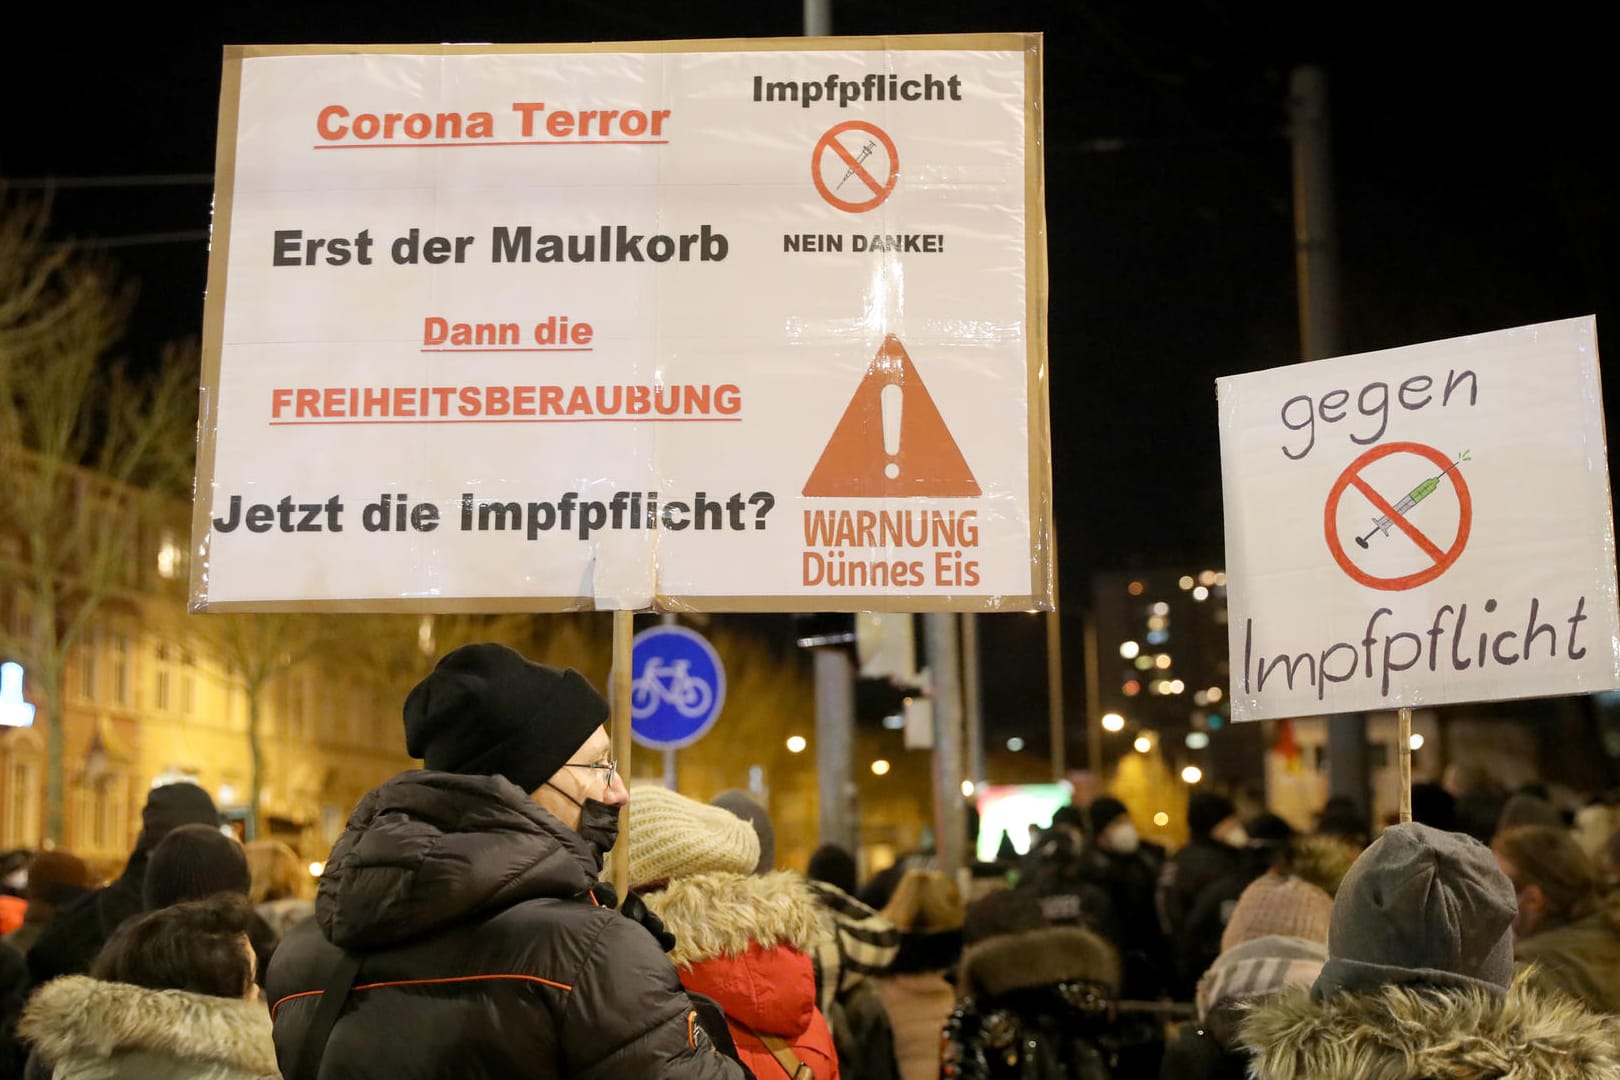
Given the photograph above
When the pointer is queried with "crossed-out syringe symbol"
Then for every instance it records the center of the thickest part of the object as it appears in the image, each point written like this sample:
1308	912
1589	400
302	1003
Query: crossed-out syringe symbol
866	152
1411	499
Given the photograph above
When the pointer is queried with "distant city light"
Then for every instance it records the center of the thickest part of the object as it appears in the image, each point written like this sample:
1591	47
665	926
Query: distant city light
1143	744
1186	582
168	558
894	721
1131	688
1144	662
1162	661
316	869
1113	722
796	744
1200	593
14	711
1201	697
1214	693
1161	608
967	789
1417	741
1176	686
880	767
1197	740
1157	622
1129	649
1158	637
1136	588
1220	577
1192	774
1015	744
1206	577
1161	819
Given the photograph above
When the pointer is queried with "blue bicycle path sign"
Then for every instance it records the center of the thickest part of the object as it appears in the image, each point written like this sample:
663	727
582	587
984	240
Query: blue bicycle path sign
678	687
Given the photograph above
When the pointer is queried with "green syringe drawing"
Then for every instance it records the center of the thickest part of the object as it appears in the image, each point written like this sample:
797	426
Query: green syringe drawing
1411	499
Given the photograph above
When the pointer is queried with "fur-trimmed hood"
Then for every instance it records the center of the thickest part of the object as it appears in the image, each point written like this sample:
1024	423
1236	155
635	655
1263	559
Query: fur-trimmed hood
723	915
746	942
1009	962
77	1020
1401	1033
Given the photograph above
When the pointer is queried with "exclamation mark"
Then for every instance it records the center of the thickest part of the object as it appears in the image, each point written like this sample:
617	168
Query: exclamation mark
889	402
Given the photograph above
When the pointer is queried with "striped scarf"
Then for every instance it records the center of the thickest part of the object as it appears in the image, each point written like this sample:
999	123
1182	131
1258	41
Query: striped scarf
1258	968
862	943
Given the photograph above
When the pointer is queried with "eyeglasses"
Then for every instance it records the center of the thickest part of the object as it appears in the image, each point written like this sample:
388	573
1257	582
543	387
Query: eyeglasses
610	767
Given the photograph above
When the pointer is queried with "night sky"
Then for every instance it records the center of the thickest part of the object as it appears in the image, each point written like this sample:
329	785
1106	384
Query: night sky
1476	175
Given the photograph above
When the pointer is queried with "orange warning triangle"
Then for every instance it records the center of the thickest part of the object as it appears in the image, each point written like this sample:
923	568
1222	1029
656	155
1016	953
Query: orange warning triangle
925	460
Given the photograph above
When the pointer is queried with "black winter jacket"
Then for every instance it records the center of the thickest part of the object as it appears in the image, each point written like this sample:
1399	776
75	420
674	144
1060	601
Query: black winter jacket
69	944
484	954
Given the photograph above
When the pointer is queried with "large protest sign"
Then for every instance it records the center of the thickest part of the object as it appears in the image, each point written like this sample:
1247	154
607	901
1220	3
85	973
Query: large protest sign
1420	526
708	325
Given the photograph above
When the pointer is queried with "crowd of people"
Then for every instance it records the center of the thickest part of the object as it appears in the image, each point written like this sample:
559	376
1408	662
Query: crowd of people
463	928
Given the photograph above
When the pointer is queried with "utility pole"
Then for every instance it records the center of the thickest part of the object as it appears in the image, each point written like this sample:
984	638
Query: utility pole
835	745
972	700
817	18
1316	258
950	814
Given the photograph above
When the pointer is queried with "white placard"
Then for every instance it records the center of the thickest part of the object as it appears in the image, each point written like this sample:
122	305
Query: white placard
1420	526
719	325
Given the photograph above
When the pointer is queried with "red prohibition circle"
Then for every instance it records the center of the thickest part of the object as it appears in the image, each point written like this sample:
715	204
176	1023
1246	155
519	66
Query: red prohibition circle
879	191
1465	517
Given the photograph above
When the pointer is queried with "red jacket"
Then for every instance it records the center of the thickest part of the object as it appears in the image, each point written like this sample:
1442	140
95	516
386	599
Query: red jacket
745	942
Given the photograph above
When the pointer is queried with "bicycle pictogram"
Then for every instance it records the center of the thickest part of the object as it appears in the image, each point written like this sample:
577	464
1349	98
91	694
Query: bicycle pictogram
669	684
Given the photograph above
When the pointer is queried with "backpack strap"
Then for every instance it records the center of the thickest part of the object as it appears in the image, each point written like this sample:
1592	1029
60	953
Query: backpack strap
338	985
779	1048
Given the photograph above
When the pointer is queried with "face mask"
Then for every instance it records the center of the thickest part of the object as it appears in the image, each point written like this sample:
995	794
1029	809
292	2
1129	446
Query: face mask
1122	839
598	823
1236	836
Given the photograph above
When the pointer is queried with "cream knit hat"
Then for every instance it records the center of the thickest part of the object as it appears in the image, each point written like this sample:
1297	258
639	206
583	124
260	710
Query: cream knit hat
672	836
1278	904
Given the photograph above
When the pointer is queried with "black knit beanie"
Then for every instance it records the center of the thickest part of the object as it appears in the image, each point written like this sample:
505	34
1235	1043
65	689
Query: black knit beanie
486	711
1102	812
1207	810
835	866
194	862
171	806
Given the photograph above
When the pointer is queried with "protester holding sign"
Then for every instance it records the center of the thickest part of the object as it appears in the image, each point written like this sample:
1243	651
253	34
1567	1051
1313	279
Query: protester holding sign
478	879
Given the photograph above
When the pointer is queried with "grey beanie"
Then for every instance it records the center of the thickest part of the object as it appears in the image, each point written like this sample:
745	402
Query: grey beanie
1421	907
1524	809
742	805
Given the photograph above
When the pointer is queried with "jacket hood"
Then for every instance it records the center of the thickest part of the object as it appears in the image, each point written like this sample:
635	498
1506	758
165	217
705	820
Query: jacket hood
722	915
746	942
1034	958
1400	1033
427	849
77	1017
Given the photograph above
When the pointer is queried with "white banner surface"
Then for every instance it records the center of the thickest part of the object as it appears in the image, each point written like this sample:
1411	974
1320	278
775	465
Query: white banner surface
1420	526
709	325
